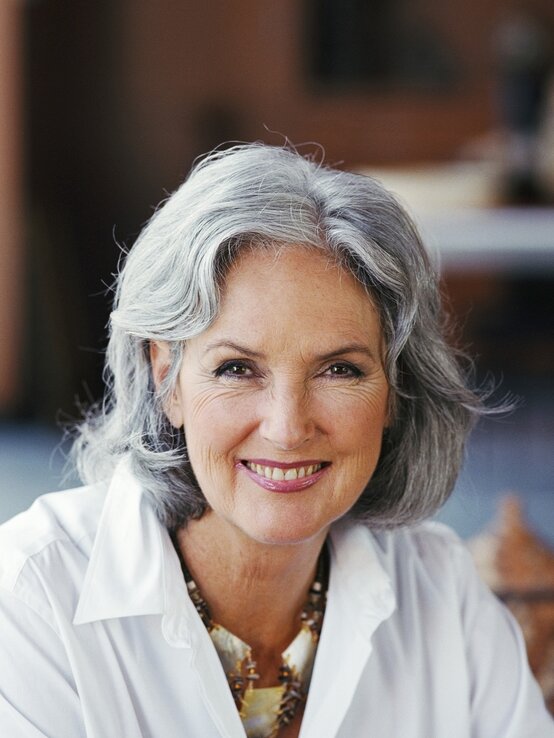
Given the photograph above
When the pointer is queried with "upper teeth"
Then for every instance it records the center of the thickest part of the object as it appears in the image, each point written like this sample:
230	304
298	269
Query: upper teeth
276	473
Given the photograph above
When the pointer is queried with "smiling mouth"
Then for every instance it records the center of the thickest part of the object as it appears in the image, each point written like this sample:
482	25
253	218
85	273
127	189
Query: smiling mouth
280	474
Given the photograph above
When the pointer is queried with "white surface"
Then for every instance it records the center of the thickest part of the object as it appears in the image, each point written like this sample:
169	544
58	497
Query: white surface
513	240
454	205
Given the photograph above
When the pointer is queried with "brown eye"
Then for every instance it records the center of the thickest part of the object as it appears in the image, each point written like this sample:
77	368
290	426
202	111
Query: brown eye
343	370
236	369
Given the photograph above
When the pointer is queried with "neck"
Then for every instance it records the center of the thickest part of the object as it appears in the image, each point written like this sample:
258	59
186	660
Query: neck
255	590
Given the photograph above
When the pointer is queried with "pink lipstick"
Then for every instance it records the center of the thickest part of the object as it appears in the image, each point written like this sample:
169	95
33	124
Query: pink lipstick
285	477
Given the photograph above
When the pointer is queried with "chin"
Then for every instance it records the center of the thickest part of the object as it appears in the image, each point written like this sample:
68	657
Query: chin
286	532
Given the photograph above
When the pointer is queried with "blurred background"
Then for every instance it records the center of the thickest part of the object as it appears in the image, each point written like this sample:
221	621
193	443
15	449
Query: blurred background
104	106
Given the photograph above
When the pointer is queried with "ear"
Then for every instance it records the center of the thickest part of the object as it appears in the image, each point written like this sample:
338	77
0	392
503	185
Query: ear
160	361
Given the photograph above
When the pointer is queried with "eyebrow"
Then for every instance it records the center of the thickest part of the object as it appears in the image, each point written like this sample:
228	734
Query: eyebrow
234	347
350	348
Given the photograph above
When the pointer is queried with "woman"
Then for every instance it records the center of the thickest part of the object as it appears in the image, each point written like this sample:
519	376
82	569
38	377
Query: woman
282	412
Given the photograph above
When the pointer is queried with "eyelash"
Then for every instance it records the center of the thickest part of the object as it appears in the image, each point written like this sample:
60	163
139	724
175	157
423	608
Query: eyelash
224	369
247	371
351	370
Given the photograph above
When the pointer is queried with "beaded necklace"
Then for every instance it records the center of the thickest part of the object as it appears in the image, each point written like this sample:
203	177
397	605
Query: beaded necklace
265	711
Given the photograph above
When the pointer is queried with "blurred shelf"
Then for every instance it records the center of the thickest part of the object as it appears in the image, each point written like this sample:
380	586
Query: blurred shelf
519	240
456	208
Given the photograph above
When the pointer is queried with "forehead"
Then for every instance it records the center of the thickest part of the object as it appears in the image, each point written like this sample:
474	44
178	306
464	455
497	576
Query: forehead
293	288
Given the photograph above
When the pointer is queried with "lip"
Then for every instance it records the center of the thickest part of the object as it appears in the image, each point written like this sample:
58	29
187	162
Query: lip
283	486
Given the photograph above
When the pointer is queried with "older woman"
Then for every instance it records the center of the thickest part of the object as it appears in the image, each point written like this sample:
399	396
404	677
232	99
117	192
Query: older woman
248	559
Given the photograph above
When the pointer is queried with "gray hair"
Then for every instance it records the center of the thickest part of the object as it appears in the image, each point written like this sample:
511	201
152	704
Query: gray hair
169	289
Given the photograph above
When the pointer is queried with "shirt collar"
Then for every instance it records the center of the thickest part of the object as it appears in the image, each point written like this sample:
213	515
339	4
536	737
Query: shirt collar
360	599
133	569
358	576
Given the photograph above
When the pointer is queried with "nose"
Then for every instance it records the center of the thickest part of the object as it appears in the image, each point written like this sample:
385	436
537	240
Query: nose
287	421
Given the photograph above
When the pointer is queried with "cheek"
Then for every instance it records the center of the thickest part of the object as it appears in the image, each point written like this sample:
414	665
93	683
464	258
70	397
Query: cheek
358	413
358	430
215	422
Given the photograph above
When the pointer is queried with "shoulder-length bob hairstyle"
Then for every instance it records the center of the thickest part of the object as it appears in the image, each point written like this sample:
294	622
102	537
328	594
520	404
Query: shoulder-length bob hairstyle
259	196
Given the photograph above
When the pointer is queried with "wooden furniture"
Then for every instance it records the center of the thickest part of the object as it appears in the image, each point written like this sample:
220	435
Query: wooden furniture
519	567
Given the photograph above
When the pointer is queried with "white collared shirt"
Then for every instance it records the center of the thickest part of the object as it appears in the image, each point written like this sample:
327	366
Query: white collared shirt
99	639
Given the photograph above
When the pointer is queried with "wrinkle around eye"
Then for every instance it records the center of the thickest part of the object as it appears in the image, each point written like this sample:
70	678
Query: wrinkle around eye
210	396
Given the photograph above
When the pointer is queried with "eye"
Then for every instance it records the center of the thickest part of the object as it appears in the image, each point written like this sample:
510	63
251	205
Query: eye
343	370
235	369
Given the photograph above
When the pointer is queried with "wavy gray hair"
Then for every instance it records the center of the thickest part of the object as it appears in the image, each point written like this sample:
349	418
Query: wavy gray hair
169	289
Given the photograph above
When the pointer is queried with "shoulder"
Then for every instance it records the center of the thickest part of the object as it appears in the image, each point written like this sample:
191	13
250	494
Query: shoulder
427	539
431	570
426	565
429	561
447	619
55	534
429	547
44	553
